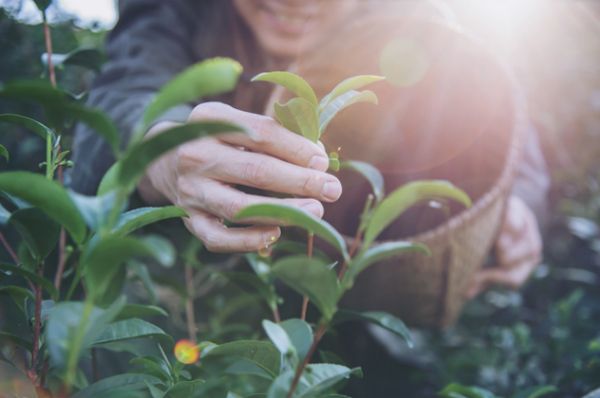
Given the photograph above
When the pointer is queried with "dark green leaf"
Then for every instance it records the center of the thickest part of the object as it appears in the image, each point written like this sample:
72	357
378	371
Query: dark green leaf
103	260
341	103
95	210
89	58
301	335
34	278
455	390
4	153
138	218
140	311
300	116
266	291
28	123
280	340
4	215
262	353
292	82
38	231
370	173
313	278
406	196
106	387
352	83
378	253
383	319
18	294
48	196
207	78
42	5
140	271
14	339
319	378
536	392
295	217
67	320
129	329
138	157
98	122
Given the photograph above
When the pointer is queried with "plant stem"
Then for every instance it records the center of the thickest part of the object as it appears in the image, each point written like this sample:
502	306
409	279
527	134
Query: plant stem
189	304
353	248
316	339
276	316
48	40
309	253
9	249
37	326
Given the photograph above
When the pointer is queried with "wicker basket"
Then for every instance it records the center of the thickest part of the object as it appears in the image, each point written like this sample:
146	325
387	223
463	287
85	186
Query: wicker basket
468	134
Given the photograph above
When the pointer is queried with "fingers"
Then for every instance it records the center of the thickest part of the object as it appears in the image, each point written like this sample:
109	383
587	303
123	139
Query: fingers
226	202
218	238
512	278
265	135
268	173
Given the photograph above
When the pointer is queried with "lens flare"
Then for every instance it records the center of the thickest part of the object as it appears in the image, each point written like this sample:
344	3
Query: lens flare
187	352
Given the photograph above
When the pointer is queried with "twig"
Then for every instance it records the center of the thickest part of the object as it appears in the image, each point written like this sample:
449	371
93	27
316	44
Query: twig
37	326
48	40
317	338
309	253
189	303
9	249
276	316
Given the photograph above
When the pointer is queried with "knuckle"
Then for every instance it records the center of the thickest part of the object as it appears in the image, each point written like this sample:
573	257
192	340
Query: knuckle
233	207
310	182
207	110
256	173
211	240
184	186
262	132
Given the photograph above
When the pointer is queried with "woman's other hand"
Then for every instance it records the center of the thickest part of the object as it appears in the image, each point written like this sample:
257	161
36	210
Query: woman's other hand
201	176
518	250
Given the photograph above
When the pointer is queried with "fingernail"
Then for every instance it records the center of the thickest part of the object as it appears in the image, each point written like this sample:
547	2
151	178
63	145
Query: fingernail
317	162
332	190
313	208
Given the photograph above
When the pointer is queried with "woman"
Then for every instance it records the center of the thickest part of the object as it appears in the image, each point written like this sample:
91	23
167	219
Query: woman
156	39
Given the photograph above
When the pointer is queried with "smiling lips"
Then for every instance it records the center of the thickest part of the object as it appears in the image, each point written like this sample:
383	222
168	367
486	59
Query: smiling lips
287	20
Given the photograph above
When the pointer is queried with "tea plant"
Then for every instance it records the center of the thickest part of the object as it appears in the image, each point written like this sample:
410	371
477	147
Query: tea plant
88	244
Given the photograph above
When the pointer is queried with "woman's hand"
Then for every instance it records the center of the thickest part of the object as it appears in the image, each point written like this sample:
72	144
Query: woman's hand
201	175
518	248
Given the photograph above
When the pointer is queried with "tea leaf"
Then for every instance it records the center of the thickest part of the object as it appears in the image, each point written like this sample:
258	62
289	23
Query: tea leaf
65	323
138	218
378	253
455	390
4	215
261	353
28	123
89	58
300	116
536	392
341	103
382	319
18	295
406	196
370	173
320	377
295	217
94	209
98	122
352	83
266	291
211	77
38	231
292	82
281	340
103	260
140	311
18	340
312	278
114	384
34	278
138	157
300	334
42	5
4	153
129	329
48	196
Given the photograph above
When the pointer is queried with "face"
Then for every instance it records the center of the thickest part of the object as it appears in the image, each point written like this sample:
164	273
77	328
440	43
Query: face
285	28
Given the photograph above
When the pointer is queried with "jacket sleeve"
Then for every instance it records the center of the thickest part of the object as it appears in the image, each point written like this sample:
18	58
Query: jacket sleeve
150	44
